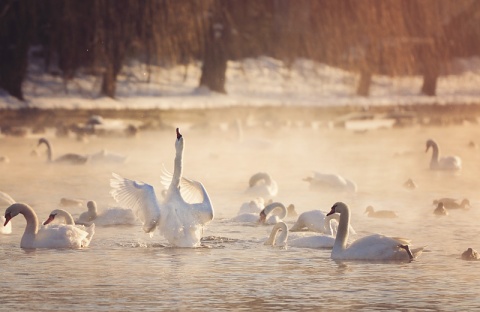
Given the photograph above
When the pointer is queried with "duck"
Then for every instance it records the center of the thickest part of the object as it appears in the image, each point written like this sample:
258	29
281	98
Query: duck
385	214
314	241
375	247
262	184
314	221
58	236
5	228
108	217
271	214
65	217
70	158
440	210
452	203
410	185
470	255
182	214
331	182
442	163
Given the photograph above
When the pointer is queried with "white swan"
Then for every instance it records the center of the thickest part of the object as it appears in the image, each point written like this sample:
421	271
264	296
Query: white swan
105	156
58	236
184	211
384	214
442	163
108	217
66	217
373	247
452	203
271	214
315	221
70	158
5	228
254	206
315	241
261	184
328	181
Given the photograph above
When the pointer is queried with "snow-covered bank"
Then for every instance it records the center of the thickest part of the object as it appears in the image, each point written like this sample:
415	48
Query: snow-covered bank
251	83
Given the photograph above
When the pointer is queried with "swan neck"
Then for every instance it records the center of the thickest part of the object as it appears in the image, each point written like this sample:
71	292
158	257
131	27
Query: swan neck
67	216
342	231
260	176
31	228
178	164
281	239
269	208
328	230
49	149
434	153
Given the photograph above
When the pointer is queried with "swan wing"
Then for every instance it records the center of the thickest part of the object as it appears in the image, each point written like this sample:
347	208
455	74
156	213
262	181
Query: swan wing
450	162
60	236
138	196
331	179
377	247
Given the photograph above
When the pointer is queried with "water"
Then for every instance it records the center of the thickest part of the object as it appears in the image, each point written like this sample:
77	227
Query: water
125	269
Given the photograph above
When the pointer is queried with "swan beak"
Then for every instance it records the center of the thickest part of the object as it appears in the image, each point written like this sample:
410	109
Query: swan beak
331	212
50	219
178	134
7	217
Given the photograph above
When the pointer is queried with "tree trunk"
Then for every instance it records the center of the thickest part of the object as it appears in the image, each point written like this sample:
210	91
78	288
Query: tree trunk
363	87
215	57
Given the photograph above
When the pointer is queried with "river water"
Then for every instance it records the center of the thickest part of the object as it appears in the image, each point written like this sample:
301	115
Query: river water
125	269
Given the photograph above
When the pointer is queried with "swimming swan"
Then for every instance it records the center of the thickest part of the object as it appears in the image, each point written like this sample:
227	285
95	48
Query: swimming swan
315	241
108	217
314	220
7	199
70	158
182	214
271	214
262	184
64	216
442	163
373	247
54	236
327	181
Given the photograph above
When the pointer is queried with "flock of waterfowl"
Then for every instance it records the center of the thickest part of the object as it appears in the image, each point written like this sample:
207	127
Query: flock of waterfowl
184	208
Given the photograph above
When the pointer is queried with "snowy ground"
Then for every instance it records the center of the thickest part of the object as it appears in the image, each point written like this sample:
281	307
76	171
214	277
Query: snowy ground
253	82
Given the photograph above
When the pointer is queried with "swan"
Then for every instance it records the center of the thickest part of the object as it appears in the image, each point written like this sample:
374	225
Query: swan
314	220
440	210
442	163
262	184
373	247
182	214
254	206
70	202
105	156
380	213
108	217
58	236
315	241
66	217
70	158
5	228
470	254
452	203
327	181
265	216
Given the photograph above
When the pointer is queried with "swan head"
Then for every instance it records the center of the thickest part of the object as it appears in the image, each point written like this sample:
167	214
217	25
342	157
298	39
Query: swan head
338	207
263	217
42	140
179	136
12	211
179	141
51	217
430	143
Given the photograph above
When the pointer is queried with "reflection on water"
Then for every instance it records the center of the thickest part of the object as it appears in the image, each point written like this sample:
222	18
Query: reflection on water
125	269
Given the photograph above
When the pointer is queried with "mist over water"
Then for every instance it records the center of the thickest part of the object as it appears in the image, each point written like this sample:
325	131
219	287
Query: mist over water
125	269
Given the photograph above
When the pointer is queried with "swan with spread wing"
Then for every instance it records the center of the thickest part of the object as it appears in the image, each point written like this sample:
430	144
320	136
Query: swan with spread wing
181	215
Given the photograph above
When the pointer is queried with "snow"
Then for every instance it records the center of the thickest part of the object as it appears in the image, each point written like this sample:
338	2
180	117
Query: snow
253	82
